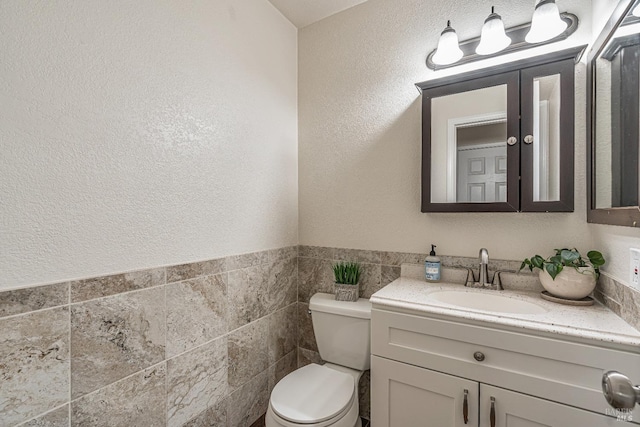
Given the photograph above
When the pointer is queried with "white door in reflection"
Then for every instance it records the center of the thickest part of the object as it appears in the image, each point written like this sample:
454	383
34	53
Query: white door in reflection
482	173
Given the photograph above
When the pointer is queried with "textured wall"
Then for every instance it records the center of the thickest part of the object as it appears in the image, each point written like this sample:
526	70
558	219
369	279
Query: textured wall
360	134
137	134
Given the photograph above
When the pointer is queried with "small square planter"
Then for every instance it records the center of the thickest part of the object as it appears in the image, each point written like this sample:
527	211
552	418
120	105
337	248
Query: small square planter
347	292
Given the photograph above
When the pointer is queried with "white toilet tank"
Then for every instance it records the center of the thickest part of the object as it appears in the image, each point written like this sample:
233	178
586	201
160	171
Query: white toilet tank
343	330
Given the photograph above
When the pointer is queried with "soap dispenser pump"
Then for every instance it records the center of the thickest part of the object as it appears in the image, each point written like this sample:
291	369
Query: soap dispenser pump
432	266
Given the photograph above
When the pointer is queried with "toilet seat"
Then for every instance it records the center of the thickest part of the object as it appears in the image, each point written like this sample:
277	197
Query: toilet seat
313	394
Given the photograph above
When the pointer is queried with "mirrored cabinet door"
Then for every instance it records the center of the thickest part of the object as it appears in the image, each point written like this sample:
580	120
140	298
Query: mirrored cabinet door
548	147
473	157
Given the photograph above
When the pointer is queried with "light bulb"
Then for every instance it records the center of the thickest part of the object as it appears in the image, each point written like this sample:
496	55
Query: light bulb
546	22
493	38
448	50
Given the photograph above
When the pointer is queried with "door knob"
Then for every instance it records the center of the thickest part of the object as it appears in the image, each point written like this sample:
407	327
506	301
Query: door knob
619	391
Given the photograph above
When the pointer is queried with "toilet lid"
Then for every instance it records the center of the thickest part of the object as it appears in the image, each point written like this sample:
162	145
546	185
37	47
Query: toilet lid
312	394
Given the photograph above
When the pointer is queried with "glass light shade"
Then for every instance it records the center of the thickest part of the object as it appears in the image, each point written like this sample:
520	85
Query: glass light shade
493	38
448	50
546	22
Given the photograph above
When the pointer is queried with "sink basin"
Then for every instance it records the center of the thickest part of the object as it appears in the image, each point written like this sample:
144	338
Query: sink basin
487	301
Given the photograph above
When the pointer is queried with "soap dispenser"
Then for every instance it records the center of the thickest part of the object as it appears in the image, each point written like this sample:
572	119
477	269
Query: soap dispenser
432	266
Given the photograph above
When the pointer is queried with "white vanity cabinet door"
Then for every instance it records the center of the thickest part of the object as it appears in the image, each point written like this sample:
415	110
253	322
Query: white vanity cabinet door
404	395
518	410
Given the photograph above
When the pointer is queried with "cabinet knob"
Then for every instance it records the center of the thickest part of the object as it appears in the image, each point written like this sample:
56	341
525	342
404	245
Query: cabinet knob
479	356
528	139
512	140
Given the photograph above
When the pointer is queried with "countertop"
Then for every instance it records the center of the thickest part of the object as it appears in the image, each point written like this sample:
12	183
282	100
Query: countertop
594	322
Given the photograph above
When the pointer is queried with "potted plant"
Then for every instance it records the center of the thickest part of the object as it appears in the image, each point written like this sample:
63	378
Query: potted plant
347	278
567	274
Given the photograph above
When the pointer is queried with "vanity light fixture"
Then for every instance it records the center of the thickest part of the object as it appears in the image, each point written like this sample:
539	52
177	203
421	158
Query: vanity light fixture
545	23
547	27
493	38
448	51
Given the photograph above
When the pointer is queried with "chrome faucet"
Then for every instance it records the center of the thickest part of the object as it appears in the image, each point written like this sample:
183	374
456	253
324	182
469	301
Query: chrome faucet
483	274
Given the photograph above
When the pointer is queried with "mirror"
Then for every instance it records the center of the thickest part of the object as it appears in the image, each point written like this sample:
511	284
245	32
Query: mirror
469	144
469	153
614	76
546	138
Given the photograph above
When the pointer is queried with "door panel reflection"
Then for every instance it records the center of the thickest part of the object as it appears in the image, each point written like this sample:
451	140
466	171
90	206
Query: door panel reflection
468	150
546	138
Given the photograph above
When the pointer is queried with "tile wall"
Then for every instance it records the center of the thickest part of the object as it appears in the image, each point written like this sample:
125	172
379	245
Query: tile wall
621	299
198	344
194	345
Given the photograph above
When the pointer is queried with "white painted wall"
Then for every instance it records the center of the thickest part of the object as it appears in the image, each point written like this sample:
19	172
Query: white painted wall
144	133
360	134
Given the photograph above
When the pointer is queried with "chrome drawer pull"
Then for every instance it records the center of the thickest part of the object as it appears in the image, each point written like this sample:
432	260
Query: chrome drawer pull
492	414
465	407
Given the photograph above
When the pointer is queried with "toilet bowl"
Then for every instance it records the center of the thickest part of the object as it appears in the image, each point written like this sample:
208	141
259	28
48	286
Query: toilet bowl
327	395
315	396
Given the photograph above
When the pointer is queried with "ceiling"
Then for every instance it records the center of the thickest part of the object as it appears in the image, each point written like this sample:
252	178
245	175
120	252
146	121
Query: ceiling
305	12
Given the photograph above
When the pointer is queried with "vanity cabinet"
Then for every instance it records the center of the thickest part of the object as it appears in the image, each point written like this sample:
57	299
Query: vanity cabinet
501	140
423	367
405	395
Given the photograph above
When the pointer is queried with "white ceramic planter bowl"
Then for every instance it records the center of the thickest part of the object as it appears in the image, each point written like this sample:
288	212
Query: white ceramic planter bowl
569	284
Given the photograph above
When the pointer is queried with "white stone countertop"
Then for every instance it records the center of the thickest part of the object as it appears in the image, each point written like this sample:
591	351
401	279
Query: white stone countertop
594	322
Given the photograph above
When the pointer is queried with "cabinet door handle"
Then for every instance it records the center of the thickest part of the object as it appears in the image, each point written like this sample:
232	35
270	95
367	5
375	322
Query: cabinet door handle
492	414
465	407
512	140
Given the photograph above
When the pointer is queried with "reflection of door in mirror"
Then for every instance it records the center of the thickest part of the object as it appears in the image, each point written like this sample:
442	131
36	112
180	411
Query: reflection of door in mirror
617	122
468	132
546	138
481	167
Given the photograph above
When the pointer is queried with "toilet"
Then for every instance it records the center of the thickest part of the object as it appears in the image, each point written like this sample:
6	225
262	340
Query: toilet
327	395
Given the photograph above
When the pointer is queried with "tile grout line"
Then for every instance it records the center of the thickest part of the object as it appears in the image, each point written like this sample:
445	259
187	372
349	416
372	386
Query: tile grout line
118	380
166	365
41	310
69	395
22	423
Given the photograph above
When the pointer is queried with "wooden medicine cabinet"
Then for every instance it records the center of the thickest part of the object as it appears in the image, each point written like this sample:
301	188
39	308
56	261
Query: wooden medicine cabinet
501	139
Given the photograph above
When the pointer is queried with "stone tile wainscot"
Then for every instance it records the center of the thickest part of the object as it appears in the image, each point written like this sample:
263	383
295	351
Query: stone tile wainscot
199	344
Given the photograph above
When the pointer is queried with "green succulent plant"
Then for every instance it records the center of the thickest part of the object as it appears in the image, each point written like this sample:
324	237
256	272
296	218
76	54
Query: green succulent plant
347	273
565	258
